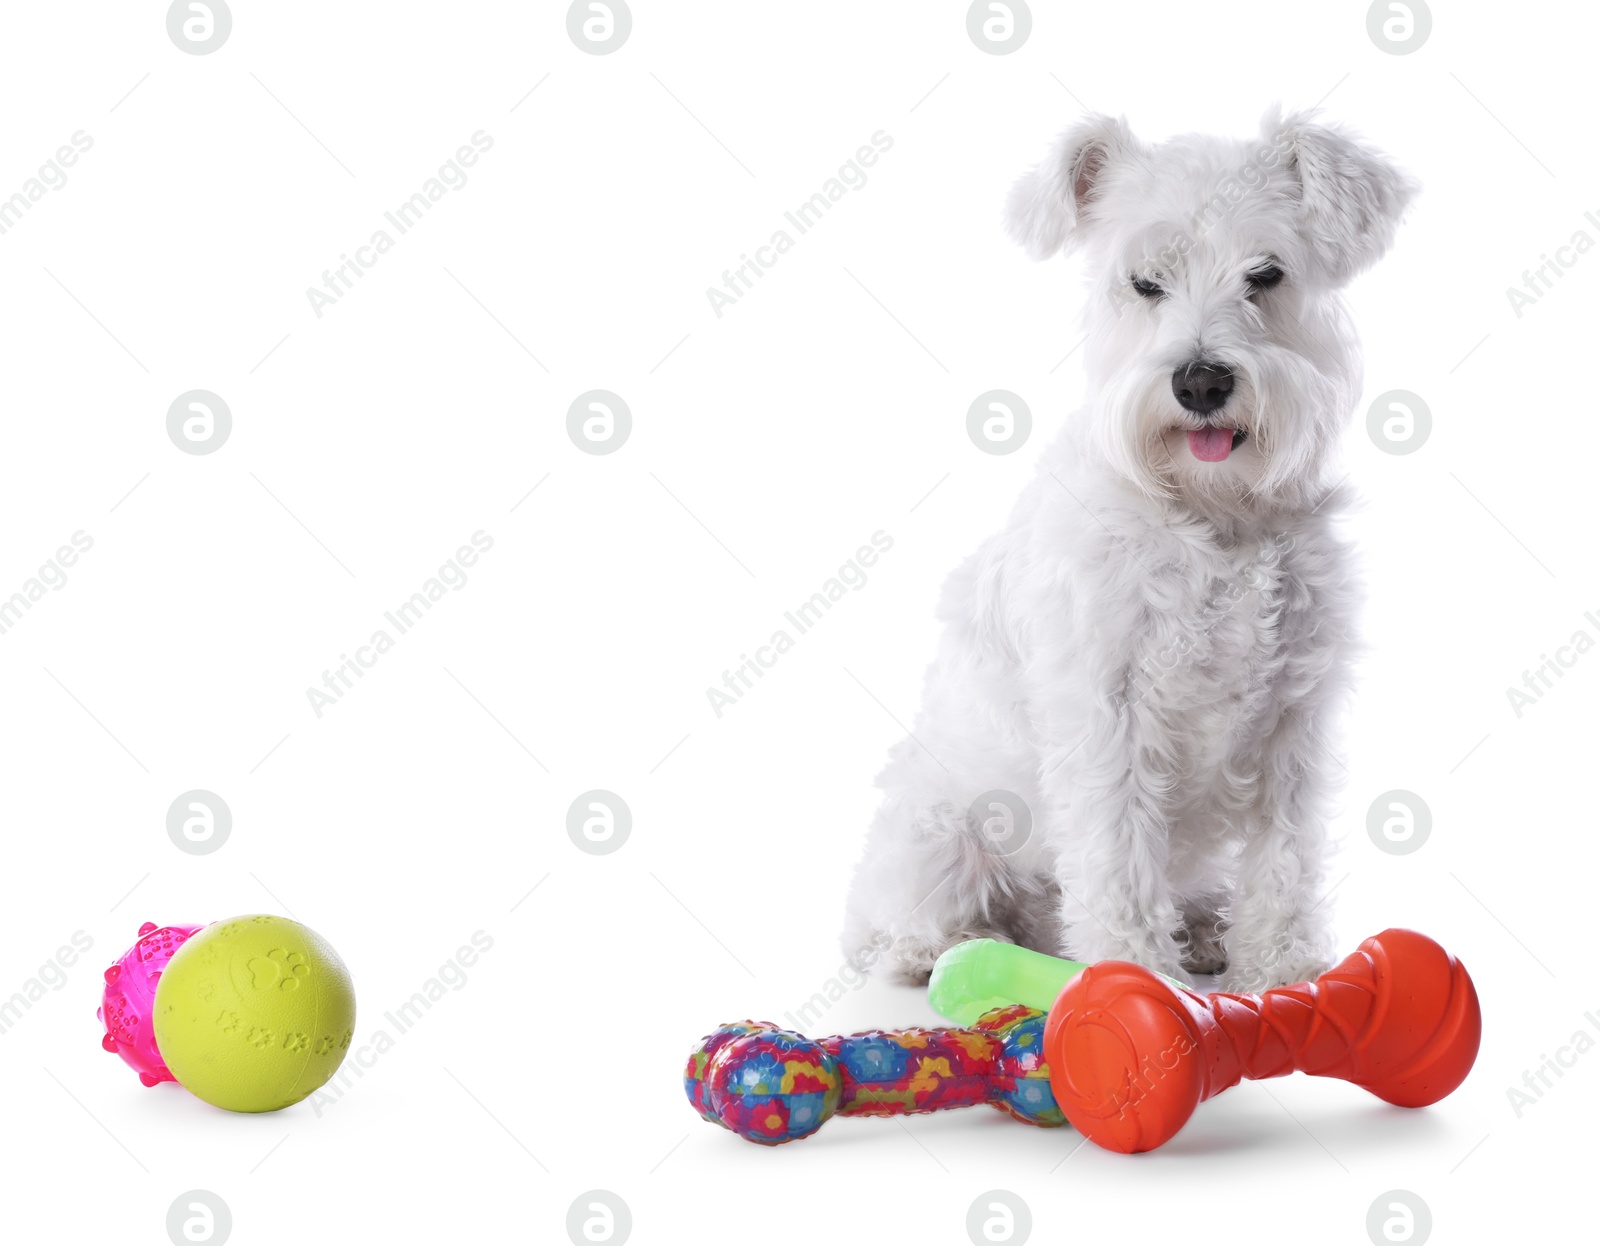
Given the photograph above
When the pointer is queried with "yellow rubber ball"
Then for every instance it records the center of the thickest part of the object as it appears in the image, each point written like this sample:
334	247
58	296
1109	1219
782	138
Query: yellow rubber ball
254	1013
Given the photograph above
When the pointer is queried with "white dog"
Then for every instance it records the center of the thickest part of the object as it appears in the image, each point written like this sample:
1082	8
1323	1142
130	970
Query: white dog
1123	749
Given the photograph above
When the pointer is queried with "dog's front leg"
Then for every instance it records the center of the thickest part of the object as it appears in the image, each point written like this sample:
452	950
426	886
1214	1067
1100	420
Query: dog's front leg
1106	792
1279	928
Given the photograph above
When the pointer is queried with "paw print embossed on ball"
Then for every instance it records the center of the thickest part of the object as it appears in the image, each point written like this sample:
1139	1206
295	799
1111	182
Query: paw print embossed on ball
279	969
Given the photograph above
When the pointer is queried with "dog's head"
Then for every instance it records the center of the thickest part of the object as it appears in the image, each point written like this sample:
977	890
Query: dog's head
1221	363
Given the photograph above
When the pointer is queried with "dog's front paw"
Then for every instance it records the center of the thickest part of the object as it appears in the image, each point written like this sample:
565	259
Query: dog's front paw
1202	941
1281	969
1205	962
1151	953
911	958
1263	954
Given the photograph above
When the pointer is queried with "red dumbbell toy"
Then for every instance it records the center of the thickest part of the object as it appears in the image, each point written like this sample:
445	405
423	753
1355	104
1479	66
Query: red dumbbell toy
1131	1055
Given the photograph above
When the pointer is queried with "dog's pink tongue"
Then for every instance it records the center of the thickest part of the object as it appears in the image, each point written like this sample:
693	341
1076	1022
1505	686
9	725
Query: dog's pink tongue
1211	445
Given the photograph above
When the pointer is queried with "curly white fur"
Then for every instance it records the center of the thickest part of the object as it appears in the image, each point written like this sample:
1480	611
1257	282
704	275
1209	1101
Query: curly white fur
1151	655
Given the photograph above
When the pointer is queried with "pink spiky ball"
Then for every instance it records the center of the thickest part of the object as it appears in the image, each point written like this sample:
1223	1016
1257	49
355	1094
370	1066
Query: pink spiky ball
129	999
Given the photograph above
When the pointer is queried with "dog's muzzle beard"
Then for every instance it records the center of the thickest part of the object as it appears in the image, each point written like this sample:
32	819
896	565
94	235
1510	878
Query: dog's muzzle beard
1165	451
1267	449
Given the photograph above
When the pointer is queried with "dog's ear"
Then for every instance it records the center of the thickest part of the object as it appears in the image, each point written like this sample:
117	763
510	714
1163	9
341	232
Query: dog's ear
1352	196
1049	204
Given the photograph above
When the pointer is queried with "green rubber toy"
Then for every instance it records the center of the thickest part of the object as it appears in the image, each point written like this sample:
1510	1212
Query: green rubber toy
980	974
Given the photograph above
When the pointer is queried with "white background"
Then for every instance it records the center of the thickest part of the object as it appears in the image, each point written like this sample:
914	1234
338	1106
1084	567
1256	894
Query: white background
370	443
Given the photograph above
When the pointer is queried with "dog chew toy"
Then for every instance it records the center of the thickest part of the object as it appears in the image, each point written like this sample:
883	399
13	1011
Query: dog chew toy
130	998
980	974
771	1085
251	1014
1131	1055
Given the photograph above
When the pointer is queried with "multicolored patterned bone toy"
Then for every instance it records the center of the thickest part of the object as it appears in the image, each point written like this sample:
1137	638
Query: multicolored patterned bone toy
772	1085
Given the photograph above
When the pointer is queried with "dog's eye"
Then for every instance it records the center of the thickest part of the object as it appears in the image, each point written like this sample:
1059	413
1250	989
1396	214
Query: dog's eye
1265	278
1145	289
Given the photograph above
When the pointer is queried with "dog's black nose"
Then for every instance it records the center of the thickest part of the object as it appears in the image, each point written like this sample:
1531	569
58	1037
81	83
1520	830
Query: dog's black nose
1202	387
